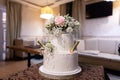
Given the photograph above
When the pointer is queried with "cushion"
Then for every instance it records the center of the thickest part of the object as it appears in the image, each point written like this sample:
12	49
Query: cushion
91	44
107	46
81	45
109	56
89	52
103	55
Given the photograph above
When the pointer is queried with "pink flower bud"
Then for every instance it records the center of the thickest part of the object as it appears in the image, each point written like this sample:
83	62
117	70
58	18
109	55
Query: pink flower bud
59	20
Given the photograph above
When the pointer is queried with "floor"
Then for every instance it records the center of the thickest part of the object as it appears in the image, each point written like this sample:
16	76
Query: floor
10	67
113	77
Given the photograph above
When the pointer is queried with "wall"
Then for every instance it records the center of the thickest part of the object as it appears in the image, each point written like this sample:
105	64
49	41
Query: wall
32	24
2	4
56	10
104	27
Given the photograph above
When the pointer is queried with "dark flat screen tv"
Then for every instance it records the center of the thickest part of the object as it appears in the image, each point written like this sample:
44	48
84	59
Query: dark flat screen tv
99	9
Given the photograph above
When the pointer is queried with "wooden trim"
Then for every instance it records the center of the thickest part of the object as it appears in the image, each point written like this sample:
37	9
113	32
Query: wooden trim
25	49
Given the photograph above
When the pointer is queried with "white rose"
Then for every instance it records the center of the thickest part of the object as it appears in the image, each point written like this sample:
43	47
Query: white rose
57	32
69	29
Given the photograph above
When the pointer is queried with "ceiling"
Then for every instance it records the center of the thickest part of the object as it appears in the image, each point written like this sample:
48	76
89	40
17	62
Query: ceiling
42	3
52	3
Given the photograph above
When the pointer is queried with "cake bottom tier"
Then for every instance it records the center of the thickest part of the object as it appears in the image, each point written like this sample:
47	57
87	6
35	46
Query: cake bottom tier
60	62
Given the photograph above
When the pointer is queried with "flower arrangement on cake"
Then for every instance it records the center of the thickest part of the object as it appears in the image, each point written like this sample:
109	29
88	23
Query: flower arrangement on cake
61	24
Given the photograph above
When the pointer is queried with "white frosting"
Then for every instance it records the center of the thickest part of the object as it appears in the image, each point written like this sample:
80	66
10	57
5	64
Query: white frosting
67	41
60	62
63	43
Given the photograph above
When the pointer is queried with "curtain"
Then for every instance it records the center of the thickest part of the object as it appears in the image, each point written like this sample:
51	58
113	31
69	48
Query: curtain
63	9
78	12
13	10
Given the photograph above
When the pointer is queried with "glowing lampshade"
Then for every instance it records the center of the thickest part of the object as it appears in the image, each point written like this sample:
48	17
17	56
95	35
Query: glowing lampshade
46	12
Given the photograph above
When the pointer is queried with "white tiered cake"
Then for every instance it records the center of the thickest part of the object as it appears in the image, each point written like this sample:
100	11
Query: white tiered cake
62	62
60	59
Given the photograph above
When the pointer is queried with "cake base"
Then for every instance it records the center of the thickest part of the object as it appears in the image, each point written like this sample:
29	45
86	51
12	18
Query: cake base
59	75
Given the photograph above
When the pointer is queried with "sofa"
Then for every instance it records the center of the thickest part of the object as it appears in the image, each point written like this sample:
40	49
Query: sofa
100	52
21	42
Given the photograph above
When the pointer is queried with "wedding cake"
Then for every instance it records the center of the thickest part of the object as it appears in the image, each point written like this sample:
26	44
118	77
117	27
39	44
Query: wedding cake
59	57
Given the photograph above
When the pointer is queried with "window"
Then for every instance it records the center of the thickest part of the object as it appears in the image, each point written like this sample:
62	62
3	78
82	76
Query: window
4	34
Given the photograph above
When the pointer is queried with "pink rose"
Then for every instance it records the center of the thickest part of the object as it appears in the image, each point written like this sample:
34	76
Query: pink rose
59	20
